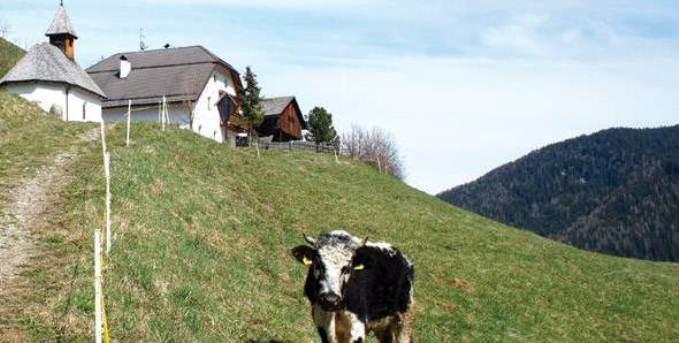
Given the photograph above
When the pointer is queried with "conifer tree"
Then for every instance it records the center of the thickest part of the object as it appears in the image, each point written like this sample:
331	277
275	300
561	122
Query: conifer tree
320	126
251	103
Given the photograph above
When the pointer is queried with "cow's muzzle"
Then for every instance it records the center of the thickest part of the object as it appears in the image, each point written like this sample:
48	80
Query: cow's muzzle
330	302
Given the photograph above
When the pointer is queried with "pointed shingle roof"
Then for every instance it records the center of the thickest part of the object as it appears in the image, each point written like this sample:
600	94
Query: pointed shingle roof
45	62
61	24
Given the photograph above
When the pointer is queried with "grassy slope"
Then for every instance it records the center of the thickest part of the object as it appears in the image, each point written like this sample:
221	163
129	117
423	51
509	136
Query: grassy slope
9	55
28	136
203	234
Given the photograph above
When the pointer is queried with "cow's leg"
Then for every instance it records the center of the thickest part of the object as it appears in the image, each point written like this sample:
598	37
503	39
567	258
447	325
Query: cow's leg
325	324
403	330
357	329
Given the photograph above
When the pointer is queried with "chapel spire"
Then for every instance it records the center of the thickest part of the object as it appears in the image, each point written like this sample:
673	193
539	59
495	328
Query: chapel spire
61	32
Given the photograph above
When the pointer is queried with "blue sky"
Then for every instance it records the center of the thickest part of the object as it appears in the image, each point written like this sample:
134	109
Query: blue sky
463	86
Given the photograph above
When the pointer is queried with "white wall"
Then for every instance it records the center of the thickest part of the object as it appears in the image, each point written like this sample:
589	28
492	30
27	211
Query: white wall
177	113
83	106
43	95
46	95
206	120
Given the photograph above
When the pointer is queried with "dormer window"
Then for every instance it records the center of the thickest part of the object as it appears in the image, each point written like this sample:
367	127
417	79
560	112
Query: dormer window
209	103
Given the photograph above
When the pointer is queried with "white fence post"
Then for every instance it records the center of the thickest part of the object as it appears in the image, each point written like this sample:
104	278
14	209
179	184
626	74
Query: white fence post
107	171
103	137
162	114
129	116
97	287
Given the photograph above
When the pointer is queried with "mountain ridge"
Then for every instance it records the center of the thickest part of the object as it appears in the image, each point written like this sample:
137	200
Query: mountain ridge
615	191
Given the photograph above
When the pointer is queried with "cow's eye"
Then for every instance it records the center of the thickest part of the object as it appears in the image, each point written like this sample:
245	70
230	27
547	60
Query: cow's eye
359	266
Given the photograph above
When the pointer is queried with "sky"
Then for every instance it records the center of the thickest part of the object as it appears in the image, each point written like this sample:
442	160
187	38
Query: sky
462	86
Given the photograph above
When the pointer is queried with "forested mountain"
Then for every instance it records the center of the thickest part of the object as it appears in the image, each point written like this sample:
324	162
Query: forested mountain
615	191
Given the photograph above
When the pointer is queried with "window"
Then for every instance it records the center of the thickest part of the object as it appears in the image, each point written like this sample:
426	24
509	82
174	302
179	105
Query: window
214	77
84	110
200	128
209	103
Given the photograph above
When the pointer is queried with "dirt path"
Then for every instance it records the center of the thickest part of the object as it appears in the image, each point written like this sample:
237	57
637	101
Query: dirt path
26	202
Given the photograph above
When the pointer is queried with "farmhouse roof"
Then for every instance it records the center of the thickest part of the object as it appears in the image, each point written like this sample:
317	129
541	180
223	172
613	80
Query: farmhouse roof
61	24
45	62
177	73
274	106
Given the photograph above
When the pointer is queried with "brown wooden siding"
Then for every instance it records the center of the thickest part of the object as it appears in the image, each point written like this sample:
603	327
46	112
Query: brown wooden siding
289	123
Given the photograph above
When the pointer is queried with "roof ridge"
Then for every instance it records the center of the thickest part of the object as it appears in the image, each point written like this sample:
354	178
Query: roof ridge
150	67
278	97
154	50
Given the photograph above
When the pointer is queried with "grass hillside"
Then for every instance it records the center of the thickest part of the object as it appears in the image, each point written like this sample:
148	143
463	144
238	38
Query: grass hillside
28	136
9	56
203	234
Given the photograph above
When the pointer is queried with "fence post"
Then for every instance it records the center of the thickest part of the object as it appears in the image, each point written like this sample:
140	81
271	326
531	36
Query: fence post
129	116
103	137
107	172
162	115
97	287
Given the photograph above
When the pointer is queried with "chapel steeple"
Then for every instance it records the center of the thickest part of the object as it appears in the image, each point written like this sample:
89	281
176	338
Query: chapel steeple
61	33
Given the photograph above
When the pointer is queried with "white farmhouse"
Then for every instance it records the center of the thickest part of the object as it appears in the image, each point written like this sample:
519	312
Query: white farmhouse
49	76
201	89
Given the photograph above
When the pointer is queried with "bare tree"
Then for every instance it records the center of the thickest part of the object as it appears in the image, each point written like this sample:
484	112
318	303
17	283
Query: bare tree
376	147
5	29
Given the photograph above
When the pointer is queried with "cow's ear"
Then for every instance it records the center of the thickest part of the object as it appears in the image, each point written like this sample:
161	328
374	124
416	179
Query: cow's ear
304	254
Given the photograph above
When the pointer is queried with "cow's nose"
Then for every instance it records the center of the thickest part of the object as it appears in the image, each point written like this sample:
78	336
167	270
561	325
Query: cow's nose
329	301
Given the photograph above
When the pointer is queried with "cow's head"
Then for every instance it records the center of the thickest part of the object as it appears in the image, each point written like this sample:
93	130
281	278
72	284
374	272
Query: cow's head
330	261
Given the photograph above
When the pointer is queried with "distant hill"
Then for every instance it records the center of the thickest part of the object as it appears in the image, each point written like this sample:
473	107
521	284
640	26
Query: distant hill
9	56
615	191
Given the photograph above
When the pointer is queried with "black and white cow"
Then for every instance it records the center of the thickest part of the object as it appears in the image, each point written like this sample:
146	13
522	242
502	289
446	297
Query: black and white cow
356	287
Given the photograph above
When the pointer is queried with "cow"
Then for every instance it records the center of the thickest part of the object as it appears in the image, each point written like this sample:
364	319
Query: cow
357	287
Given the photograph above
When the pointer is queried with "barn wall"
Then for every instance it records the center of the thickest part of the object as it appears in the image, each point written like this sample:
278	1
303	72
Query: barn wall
289	122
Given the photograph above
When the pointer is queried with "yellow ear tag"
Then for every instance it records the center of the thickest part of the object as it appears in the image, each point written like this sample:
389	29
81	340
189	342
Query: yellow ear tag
359	267
306	261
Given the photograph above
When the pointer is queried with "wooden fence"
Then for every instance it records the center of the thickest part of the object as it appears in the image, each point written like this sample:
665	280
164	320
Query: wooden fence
296	145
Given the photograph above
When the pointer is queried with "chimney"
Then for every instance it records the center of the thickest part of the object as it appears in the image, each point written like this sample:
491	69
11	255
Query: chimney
125	67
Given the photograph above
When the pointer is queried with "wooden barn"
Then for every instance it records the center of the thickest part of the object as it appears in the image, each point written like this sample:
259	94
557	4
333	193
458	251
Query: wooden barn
283	120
